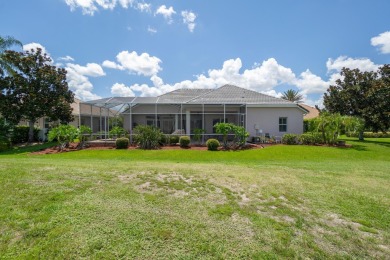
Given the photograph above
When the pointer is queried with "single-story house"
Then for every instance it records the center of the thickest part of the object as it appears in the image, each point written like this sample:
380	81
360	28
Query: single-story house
184	110
84	114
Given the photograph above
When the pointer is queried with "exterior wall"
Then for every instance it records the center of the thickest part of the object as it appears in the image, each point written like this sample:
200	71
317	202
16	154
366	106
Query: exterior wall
267	119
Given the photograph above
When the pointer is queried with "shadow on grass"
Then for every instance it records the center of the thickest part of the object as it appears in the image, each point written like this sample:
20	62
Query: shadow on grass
27	149
383	143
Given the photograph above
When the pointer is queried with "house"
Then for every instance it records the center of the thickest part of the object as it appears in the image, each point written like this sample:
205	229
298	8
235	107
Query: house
312	111
187	109
84	114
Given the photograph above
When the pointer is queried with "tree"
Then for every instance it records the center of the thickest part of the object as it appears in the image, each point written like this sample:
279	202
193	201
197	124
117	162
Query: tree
6	43
36	89
293	96
362	94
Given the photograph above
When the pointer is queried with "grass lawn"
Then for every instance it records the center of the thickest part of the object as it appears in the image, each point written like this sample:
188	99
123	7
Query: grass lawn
278	202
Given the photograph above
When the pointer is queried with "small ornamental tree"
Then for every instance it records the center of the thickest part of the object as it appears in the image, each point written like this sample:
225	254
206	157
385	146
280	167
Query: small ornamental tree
240	135
64	134
224	129
83	133
35	89
198	132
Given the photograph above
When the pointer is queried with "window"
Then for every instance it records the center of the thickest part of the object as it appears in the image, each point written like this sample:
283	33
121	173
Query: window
282	124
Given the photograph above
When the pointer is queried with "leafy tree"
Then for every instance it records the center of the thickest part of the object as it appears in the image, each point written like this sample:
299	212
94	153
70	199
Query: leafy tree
292	95
5	43
362	94
36	89
83	133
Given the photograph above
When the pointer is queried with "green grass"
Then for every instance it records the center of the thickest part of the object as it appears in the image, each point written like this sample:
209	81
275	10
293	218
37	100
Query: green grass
278	202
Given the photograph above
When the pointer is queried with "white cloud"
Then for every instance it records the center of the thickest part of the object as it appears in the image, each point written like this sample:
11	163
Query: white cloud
92	69
189	19
143	64
35	46
144	7
383	41
89	7
66	58
152	30
79	82
112	65
363	64
311	83
166	12
121	90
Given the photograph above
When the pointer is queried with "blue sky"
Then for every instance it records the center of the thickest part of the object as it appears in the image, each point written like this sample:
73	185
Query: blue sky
146	48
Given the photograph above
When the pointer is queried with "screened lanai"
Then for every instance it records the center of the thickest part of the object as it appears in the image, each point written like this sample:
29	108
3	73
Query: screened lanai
184	110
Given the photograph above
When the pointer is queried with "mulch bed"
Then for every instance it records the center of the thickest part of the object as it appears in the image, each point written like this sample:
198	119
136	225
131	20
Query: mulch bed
73	147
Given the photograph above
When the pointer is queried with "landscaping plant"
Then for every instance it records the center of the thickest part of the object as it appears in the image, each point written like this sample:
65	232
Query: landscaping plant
212	144
198	132
117	131
148	137
122	143
184	141
84	133
63	134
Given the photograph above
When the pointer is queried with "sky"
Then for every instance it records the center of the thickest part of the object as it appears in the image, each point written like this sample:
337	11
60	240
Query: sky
147	48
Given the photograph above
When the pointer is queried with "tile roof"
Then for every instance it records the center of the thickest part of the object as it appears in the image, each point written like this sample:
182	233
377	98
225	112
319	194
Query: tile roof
227	94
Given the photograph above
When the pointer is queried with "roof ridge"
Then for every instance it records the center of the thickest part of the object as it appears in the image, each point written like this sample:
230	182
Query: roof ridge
211	90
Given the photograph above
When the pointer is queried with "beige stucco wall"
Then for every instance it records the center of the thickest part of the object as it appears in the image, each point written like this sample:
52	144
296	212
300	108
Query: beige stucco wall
267	120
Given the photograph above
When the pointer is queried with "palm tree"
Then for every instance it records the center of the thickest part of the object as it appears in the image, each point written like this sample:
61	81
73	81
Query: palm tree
293	96
5	43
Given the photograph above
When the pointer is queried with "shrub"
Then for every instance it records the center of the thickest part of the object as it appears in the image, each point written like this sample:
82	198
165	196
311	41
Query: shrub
5	144
310	138
64	134
184	141
20	134
84	133
117	131
122	143
212	144
290	139
174	139
240	134
224	129
164	140
148	137
198	132
369	135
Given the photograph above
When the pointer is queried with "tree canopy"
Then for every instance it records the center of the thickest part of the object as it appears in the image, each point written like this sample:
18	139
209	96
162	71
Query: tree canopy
362	94
36	89
292	95
5	43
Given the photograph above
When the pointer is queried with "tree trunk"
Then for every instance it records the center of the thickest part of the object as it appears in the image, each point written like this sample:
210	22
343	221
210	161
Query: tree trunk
31	131
361	136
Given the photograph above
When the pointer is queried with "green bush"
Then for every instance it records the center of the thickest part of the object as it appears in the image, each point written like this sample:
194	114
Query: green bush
369	135
122	143
290	139
64	134
184	141
5	144
198	132
20	134
174	139
117	131
148	137
212	144
310	138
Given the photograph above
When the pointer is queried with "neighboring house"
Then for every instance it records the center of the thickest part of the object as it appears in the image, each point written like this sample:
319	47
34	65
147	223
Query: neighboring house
84	114
189	109
312	111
